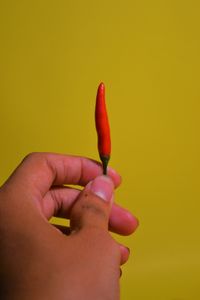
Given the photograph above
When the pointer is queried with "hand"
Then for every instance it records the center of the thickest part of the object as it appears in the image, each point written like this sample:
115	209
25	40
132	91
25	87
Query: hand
37	261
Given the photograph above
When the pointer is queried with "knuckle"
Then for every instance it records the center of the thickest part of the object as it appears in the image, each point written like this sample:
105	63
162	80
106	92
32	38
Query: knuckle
35	156
30	156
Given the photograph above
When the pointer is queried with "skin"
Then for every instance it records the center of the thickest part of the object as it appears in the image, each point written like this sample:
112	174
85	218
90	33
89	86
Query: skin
38	261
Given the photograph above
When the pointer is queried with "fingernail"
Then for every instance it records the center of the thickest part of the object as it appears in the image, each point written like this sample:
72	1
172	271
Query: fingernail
103	187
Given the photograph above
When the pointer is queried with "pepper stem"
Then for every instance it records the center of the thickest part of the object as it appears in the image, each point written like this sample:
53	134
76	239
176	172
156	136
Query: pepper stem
105	160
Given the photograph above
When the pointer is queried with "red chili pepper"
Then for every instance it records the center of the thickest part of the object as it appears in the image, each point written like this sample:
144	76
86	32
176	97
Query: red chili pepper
102	127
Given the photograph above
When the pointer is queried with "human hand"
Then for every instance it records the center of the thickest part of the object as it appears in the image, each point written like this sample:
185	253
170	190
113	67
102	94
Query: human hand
39	262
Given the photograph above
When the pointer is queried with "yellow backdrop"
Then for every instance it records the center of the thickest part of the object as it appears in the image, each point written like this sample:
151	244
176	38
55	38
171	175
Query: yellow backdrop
53	55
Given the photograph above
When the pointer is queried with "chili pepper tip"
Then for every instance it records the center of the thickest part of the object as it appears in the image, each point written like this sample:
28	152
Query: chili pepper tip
101	89
101	85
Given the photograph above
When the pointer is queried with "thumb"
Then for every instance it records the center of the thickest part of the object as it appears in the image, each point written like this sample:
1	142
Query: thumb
93	205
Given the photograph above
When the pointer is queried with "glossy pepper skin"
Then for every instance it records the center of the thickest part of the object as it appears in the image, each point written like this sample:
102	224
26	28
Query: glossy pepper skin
102	127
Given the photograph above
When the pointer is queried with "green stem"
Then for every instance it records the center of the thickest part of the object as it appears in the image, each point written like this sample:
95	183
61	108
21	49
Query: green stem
105	160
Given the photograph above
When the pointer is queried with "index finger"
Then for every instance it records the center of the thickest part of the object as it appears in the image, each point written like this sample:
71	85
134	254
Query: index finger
39	171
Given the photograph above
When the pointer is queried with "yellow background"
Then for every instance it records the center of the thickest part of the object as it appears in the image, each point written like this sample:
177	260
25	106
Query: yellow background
53	55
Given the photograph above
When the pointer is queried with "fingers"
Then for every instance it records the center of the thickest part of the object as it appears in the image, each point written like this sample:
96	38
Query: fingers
125	252
91	211
59	201
93	205
122	221
39	171
92	208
